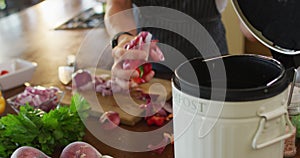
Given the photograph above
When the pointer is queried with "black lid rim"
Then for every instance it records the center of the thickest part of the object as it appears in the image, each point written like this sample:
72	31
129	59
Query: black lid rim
273	88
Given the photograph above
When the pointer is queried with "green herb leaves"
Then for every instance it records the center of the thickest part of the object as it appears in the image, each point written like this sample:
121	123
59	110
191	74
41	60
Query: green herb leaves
44	131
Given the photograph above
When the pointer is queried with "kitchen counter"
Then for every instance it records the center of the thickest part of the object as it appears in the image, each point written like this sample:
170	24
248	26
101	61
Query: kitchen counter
31	35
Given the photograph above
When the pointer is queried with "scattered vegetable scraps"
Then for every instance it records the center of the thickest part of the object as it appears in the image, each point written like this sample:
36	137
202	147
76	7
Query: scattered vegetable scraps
83	81
38	97
4	72
141	42
156	113
44	131
109	120
160	147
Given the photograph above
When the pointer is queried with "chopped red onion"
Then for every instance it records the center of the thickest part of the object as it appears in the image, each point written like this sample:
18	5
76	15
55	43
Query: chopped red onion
101	84
145	96
141	42
160	147
148	110
83	80
168	107
110	120
39	97
153	108
162	112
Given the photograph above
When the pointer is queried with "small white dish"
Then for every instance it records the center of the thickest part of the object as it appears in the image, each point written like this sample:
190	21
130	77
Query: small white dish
19	72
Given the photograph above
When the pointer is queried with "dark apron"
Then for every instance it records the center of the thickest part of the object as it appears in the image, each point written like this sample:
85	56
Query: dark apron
203	11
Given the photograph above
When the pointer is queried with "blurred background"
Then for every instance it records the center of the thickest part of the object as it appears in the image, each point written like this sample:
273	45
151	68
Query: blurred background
8	7
237	43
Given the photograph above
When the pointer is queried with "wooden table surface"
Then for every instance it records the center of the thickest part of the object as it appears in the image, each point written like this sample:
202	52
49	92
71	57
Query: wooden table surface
30	35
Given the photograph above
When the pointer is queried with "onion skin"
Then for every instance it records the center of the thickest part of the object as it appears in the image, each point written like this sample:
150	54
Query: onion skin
28	152
80	150
76	149
110	120
83	80
141	42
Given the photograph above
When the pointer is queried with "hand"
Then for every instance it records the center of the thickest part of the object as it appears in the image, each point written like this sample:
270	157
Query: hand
123	76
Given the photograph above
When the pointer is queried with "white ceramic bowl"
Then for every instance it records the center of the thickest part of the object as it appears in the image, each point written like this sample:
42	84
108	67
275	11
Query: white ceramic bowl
19	72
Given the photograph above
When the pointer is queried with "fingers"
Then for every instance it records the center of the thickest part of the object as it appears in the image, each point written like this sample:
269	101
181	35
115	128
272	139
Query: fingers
117	52
122	54
156	54
118	72
149	76
121	74
124	84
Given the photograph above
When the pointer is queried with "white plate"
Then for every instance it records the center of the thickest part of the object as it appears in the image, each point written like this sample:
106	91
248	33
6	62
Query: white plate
20	71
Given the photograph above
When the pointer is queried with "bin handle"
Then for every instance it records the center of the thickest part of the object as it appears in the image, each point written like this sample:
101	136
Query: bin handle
280	138
292	86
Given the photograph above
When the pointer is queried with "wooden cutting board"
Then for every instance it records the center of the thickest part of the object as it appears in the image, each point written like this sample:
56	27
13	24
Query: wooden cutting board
129	107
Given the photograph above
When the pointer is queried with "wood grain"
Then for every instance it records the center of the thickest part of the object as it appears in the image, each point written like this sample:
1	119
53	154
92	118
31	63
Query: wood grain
30	35
126	104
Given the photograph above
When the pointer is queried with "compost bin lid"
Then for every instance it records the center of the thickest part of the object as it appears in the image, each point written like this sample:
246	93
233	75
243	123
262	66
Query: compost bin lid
275	23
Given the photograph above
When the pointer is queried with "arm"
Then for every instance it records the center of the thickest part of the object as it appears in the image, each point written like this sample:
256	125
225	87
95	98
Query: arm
118	18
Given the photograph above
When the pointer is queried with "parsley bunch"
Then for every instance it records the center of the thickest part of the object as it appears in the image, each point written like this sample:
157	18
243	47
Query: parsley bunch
44	131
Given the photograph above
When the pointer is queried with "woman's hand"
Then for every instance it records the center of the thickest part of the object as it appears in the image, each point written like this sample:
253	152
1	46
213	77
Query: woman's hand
122	76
